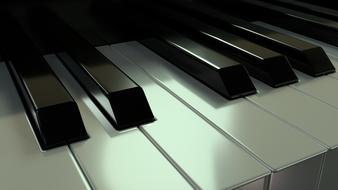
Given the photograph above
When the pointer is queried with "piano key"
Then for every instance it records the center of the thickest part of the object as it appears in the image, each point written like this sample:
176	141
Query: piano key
118	97
324	88
324	119
146	169
224	75
330	50
240	119
49	107
319	120
314	26
263	64
126	160
23	165
302	55
309	8
324	3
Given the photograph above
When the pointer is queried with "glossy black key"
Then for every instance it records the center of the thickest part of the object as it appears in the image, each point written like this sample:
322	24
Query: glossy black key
302	55
262	63
308	8
226	76
120	99
316	27
53	114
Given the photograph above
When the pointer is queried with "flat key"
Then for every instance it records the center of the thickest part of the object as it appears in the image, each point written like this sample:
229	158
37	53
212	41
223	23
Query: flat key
304	56
313	26
224	75
23	165
239	120
263	64
143	166
121	100
309	8
53	113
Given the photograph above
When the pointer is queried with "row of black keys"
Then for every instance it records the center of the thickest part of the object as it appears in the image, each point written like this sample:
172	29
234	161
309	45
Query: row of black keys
213	47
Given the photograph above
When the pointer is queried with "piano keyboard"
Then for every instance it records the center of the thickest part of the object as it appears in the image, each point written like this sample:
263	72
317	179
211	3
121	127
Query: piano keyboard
200	98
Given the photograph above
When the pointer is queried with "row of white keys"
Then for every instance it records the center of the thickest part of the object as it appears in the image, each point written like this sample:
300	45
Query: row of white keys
310	105
116	161
22	164
211	160
270	140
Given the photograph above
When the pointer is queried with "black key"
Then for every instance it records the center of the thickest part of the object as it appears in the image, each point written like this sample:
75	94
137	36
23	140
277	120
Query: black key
53	114
226	76
325	3
316	27
263	64
120	99
308	8
302	55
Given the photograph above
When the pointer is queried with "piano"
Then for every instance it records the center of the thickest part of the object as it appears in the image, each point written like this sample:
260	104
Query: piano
150	95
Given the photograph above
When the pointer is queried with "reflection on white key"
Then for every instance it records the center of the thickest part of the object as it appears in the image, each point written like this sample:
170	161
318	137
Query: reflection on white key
117	161
315	118
256	130
22	164
210	159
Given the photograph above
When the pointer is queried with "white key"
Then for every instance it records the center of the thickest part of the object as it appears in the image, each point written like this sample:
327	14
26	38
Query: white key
211	160
315	117
22	164
240	119
117	161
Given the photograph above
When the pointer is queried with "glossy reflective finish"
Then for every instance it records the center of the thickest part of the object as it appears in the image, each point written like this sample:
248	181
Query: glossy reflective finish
113	160
118	97
304	56
282	148
263	64
209	158
224	75
317	27
309	8
53	113
23	165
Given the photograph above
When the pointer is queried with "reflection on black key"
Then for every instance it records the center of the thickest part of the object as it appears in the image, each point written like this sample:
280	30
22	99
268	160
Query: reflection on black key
308	8
317	27
263	64
53	114
224	75
119	98
302	55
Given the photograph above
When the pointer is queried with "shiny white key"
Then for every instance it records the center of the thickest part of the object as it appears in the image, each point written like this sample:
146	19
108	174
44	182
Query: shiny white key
22	164
210	159
240	119
319	121
117	161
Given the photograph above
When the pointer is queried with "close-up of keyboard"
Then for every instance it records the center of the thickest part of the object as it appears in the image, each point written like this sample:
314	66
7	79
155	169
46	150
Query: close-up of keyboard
171	94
